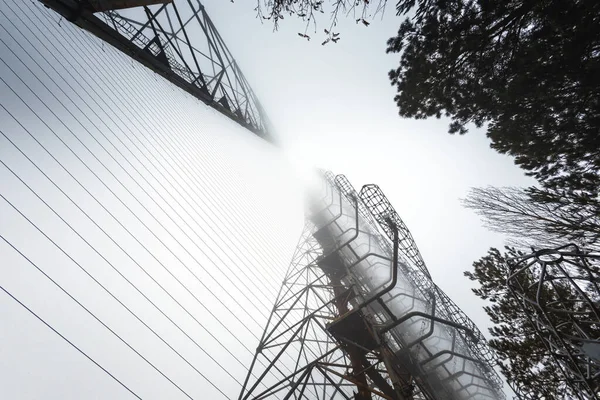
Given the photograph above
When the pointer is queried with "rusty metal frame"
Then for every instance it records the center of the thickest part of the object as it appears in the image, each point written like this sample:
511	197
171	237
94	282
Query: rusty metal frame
391	349
326	369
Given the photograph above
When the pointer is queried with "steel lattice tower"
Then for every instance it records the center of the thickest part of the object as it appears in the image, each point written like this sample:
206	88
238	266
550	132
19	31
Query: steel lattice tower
340	329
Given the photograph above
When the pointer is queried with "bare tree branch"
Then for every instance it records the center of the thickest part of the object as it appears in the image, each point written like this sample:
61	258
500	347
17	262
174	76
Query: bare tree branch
309	10
529	219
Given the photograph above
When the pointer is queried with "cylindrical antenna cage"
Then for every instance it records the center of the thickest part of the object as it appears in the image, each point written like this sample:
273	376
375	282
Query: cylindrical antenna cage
427	335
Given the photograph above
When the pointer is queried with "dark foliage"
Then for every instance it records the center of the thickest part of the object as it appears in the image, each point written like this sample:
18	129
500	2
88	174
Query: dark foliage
526	362
529	71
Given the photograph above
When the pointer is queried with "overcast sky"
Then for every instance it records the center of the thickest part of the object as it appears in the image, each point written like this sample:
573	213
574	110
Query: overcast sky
331	107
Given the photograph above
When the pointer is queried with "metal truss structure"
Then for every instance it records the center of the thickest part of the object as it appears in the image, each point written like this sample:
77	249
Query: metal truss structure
358	316
559	290
177	40
300	358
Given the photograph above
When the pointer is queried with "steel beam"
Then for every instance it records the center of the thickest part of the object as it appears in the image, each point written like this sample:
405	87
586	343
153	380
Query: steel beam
105	5
158	34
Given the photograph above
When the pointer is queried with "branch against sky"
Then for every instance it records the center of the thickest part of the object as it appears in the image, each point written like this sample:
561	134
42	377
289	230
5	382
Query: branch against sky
526	70
532	216
315	12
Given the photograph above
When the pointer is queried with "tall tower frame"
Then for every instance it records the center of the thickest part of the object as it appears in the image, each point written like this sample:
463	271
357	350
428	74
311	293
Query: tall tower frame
332	334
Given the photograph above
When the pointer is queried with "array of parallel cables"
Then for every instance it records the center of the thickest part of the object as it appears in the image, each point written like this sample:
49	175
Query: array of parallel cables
141	248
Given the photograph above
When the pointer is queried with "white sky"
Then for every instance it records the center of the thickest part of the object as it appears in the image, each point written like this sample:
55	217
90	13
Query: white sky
331	107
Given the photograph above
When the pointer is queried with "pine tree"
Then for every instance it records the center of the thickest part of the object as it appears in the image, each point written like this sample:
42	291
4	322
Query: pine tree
526	70
525	361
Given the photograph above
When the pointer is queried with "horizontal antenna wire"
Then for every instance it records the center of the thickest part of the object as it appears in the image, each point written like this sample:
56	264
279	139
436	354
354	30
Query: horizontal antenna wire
91	313
67	340
258	299
60	102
